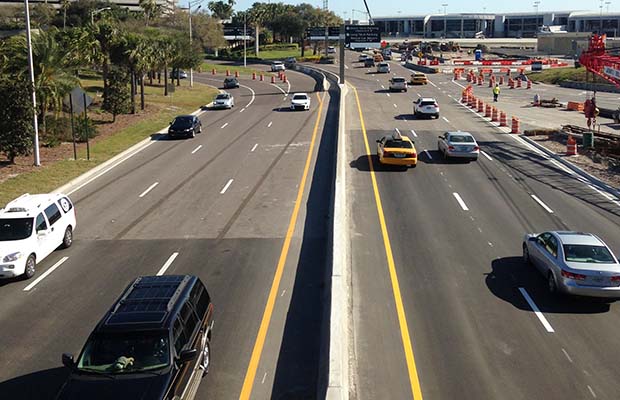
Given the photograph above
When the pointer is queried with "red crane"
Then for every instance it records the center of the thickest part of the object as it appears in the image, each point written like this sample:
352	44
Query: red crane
599	62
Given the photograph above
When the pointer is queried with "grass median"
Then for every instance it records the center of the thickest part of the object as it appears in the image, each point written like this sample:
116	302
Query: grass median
554	76
50	176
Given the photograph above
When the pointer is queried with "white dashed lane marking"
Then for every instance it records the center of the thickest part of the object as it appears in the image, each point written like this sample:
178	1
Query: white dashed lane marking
148	189
226	186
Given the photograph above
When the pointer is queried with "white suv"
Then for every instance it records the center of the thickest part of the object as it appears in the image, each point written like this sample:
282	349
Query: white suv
277	66
31	228
426	107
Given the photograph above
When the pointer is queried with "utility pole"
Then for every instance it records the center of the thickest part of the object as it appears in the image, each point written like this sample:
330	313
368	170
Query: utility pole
445	20
536	3
600	31
341	42
37	159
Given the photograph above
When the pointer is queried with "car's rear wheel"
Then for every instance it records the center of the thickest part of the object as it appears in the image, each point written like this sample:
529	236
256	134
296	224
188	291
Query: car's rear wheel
551	284
206	357
31	266
67	239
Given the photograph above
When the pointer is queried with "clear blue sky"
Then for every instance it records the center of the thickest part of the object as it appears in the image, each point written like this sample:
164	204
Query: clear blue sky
415	7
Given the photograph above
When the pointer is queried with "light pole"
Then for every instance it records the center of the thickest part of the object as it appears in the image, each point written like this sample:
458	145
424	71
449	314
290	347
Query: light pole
37	160
600	29
189	11
445	20
245	23
536	3
92	14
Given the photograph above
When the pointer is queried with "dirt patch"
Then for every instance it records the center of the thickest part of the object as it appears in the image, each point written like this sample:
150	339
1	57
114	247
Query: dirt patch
594	164
50	155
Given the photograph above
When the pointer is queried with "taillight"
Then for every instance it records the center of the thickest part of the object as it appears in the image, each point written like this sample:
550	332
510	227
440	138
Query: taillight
386	153
615	279
570	275
476	148
451	148
413	155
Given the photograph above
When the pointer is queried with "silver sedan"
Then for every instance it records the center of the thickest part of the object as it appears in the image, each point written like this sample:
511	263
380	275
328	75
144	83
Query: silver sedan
458	145
224	100
574	262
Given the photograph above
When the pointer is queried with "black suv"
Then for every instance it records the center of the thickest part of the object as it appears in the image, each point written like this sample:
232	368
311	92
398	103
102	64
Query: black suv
185	125
230	83
152	344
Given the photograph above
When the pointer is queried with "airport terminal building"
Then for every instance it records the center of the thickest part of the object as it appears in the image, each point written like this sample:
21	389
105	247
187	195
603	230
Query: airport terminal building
514	25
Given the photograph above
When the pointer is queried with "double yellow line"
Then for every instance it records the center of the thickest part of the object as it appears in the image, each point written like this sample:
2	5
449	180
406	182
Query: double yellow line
416	391
259	344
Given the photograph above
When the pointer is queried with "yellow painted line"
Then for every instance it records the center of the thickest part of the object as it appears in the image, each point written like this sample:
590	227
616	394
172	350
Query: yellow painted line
250	374
416	391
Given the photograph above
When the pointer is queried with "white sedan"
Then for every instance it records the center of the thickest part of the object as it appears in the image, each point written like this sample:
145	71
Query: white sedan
224	100
300	101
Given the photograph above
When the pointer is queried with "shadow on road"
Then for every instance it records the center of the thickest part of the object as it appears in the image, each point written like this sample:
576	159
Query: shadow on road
299	370
508	274
35	386
361	164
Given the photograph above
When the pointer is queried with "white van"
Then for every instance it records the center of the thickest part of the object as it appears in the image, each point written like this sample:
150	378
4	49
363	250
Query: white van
31	228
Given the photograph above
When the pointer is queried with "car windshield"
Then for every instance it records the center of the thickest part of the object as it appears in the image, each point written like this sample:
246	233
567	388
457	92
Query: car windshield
587	254
121	353
398	80
230	80
400	144
300	97
427	103
221	97
182	122
15	228
461	139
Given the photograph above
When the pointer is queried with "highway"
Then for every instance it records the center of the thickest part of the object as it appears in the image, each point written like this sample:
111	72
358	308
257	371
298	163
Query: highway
442	301
244	206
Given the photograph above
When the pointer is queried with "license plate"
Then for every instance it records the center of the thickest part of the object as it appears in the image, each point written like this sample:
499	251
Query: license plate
400	155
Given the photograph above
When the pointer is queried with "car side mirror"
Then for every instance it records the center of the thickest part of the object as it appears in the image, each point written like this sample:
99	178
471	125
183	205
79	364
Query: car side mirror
440	137
188	355
41	233
378	140
67	360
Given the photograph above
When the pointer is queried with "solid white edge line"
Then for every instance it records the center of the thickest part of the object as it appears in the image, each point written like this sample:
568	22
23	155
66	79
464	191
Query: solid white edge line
282	90
196	149
461	202
116	164
226	186
224	126
253	95
254	148
167	264
486	155
413	133
543	205
560	166
148	189
428	154
536	310
46	273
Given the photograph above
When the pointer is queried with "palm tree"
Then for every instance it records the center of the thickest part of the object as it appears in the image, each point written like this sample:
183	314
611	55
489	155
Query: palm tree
151	9
53	79
65	5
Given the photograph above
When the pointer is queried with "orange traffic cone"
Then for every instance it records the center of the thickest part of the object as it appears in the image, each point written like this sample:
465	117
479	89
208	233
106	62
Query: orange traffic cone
515	125
571	146
503	119
494	116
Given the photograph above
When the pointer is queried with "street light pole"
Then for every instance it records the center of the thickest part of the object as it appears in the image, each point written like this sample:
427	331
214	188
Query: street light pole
245	49
600	30
536	3
445	20
191	70
92	14
37	159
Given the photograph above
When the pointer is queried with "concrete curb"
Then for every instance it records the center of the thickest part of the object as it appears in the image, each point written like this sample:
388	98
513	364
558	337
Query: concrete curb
338	379
90	175
594	180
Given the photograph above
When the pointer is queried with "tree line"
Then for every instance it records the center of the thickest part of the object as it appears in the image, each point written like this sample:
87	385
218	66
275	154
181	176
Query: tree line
128	49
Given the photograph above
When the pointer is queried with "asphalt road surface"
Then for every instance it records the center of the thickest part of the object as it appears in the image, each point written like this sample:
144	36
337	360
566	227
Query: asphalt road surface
439	287
244	206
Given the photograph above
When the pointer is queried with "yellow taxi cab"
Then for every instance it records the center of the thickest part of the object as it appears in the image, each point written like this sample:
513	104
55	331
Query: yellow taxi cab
378	58
418	78
396	149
